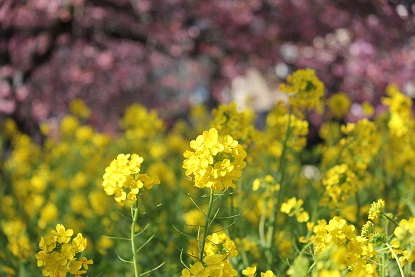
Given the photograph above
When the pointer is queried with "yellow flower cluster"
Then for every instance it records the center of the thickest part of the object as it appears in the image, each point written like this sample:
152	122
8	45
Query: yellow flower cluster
215	161
212	266
220	243
251	272
355	251
294	207
340	182
57	253
219	248
376	208
368	230
404	241
304	89
122	178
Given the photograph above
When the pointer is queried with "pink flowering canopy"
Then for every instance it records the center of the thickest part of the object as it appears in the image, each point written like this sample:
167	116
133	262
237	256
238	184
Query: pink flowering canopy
169	54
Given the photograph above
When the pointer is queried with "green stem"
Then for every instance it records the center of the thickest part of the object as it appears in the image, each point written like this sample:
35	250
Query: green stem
358	205
241	222
397	259
383	266
389	218
275	208
207	224
134	214
261	228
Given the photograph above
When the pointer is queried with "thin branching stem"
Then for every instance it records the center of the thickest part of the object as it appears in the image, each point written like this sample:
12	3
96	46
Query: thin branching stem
276	207
145	243
396	258
154	269
207	224
390	219
134	213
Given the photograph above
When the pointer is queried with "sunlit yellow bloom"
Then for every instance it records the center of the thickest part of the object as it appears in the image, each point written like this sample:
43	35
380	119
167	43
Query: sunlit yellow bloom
123	179
293	207
249	271
404	241
376	208
355	251
58	253
268	273
212	266
220	243
215	161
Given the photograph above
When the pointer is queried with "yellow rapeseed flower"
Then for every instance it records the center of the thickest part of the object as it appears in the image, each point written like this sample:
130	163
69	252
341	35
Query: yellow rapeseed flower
404	241
355	251
220	243
293	207
216	265
215	161
249	271
376	208
122	178
268	273
57	253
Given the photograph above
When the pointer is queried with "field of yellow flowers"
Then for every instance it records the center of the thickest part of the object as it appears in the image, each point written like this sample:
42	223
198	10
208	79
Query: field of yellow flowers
214	195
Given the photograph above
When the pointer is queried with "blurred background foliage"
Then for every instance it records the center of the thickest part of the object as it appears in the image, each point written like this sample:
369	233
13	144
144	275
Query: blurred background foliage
172	54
